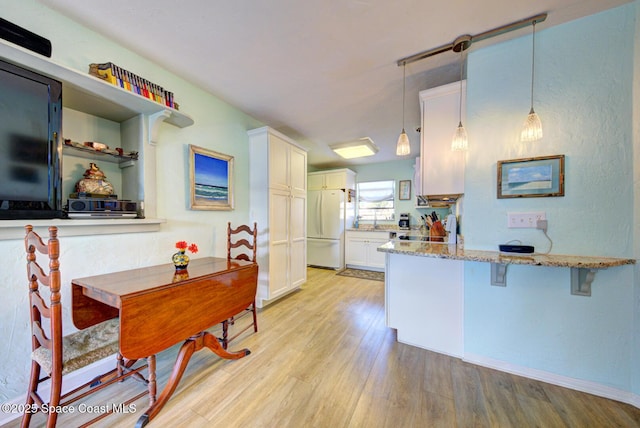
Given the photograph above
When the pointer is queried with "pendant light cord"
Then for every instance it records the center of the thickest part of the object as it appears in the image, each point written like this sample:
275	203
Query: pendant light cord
460	103
533	60
404	80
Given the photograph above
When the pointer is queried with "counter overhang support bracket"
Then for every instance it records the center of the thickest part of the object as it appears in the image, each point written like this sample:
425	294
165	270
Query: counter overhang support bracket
499	274
581	280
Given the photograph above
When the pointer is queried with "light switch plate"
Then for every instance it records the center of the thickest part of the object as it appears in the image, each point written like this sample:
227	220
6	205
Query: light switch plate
525	219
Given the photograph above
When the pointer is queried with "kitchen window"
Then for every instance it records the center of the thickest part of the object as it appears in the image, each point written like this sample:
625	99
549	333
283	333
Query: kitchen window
376	200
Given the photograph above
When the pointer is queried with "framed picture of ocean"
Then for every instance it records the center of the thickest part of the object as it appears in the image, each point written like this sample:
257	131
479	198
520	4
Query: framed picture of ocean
210	179
531	177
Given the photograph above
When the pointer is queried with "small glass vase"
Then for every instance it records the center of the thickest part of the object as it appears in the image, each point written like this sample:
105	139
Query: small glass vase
180	260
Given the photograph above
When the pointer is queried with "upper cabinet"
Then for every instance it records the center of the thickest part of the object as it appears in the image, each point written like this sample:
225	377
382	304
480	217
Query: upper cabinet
331	179
441	170
287	162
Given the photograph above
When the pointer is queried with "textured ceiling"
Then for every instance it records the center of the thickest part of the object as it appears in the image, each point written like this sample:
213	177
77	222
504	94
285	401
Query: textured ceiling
320	71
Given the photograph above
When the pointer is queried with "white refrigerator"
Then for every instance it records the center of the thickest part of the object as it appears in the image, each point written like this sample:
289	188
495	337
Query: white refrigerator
328	214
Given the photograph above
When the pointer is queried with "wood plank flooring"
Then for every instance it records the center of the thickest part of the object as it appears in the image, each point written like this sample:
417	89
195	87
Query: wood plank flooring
324	358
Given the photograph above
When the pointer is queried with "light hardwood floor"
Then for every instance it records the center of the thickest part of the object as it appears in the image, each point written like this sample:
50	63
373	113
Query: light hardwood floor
324	358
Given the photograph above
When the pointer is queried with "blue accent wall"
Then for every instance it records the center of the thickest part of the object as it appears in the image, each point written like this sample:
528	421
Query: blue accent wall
584	81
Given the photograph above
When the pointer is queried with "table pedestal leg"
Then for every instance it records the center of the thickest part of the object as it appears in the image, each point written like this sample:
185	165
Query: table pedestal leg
193	344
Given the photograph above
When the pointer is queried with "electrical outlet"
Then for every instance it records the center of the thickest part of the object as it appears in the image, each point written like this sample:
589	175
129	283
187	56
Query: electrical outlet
525	220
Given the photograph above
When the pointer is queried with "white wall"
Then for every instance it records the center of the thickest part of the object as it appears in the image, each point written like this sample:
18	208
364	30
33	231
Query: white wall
218	127
583	93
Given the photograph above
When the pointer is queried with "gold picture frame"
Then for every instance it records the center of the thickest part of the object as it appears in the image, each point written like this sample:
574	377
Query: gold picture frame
531	177
210	179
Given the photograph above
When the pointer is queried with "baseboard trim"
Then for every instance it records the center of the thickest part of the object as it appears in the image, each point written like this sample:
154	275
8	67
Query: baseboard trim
556	379
69	382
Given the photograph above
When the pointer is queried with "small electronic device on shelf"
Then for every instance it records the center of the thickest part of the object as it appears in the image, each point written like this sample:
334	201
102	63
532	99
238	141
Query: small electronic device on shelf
518	249
86	205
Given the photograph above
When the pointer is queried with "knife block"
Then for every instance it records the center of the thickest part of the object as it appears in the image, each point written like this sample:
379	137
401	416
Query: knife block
437	232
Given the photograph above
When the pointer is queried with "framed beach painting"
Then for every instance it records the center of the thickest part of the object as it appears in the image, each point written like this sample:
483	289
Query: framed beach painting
531	177
210	179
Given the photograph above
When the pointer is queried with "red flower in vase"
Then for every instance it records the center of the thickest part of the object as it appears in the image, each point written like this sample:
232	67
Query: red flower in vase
182	246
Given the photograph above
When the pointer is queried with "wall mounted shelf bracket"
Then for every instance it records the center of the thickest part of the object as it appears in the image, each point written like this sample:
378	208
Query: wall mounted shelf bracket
499	274
581	279
154	121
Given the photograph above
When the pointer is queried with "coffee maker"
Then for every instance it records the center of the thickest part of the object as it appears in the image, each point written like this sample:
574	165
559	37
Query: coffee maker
403	224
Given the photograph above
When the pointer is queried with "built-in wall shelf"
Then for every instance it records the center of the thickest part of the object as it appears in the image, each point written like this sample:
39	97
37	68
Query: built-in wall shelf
139	120
88	94
88	153
583	268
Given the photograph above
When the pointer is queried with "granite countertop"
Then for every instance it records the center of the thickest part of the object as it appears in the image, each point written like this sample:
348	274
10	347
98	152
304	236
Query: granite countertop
457	252
379	228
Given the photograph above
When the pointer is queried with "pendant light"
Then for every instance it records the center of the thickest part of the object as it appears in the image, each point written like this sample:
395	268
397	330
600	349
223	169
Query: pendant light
460	141
532	128
403	147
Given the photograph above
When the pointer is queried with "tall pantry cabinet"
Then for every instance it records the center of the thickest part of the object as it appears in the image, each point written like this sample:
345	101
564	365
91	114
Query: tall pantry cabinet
278	203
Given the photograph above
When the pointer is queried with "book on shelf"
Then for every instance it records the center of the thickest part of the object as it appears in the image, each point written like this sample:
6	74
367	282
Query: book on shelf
131	82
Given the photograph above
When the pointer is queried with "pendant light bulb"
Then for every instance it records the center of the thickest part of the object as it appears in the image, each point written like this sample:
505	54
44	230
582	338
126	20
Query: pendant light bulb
403	147
532	128
460	141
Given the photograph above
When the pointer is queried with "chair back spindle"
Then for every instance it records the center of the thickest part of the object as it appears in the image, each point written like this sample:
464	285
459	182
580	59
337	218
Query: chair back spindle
241	245
246	250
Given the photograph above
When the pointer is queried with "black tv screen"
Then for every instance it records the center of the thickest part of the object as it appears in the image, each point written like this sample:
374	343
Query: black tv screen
30	144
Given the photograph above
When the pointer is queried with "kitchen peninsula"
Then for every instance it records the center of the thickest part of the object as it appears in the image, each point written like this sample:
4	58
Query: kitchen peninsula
424	287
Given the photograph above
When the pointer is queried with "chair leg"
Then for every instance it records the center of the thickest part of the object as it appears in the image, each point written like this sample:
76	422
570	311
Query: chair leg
151	367
54	399
225	334
33	387
255	317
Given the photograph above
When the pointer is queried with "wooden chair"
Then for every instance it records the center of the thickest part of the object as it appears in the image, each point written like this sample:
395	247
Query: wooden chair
54	355
241	247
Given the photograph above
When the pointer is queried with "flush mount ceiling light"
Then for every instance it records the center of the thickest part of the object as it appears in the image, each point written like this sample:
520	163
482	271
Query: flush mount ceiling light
460	141
403	148
532	128
355	149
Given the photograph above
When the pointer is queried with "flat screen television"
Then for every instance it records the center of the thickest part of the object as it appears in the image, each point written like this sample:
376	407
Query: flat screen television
30	144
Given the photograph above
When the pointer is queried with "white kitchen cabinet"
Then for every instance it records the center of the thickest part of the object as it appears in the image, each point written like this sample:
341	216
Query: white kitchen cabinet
441	169
362	249
278	203
424	301
332	179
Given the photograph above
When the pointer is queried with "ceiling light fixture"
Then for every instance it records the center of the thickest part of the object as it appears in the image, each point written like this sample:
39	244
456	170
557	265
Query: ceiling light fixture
532	128
460	141
355	149
403	148
478	37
